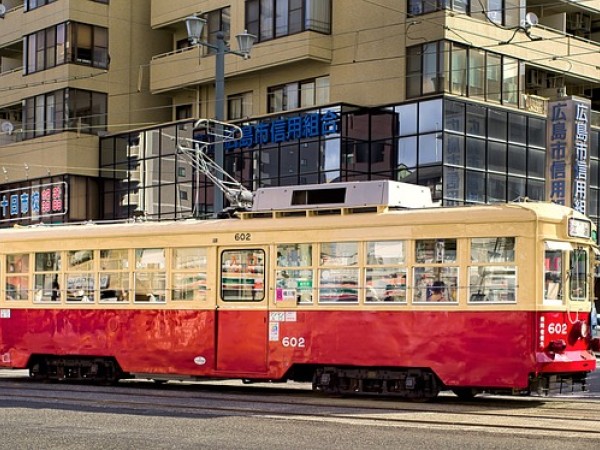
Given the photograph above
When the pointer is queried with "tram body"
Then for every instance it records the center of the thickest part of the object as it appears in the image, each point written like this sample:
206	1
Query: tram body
340	298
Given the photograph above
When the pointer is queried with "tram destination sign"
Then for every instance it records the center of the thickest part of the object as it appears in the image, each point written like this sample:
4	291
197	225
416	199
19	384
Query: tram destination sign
580	228
34	202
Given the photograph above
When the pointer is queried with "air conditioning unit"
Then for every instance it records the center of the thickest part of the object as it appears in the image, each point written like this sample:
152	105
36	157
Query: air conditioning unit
135	176
130	199
134	151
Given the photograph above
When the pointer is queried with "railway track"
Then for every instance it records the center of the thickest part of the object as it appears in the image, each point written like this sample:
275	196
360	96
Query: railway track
563	417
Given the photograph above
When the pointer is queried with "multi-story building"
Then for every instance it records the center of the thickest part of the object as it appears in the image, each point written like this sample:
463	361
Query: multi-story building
70	71
453	95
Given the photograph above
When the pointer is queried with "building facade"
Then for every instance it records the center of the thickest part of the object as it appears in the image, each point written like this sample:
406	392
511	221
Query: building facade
70	71
453	95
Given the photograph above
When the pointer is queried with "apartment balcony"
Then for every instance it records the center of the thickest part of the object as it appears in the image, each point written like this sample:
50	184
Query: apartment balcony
191	66
12	23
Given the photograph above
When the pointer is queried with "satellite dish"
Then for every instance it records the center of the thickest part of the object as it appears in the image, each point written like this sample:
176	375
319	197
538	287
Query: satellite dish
7	127
2	11
531	20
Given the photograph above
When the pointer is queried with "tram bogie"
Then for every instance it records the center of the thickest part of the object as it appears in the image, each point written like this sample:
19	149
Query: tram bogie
75	368
413	384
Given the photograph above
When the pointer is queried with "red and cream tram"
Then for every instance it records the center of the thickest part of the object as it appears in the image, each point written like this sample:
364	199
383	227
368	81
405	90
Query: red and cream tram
337	287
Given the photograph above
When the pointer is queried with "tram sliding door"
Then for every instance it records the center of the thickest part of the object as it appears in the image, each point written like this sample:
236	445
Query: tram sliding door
242	310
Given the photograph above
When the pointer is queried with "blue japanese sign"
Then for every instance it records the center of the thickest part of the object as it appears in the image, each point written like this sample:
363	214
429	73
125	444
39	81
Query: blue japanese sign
285	129
33	202
568	152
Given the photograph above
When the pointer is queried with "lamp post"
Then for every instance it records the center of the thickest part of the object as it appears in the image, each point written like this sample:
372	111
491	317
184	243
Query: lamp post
194	26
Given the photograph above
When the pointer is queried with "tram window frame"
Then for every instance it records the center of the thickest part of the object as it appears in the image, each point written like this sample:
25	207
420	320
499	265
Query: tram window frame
386	272
294	273
47	277
80	282
554	272
17	275
492	272
338	268
578	280
246	268
436	272
189	267
151	273
114	275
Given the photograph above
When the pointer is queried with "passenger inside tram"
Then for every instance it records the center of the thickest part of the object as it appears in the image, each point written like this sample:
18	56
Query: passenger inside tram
436	292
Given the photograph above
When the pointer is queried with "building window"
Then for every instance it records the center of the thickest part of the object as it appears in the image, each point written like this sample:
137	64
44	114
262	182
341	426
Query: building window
67	109
466	71
217	21
29	5
183	112
425	69
69	42
498	12
302	94
239	106
270	19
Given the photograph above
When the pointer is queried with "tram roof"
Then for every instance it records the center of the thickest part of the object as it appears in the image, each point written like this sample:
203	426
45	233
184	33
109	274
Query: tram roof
304	220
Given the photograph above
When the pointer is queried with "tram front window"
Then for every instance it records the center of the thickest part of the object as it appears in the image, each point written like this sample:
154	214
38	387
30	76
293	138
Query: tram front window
553	274
578	274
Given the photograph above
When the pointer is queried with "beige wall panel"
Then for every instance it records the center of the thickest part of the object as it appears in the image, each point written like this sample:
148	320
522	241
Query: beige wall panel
170	12
12	26
187	67
131	45
11	88
57	154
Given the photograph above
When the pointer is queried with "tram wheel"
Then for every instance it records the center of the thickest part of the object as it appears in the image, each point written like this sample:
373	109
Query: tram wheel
465	393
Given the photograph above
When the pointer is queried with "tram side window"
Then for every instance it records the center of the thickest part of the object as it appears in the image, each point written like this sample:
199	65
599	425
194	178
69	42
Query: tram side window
47	278
386	271
150	275
338	272
488	280
294	273
17	276
435	277
553	274
579	274
80	276
114	275
243	275
188	274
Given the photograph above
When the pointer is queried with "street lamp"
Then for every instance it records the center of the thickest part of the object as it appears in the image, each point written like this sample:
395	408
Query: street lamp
194	26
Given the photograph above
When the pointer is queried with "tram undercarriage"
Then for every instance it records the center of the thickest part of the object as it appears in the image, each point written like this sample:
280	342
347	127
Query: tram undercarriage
555	384
75	368
413	384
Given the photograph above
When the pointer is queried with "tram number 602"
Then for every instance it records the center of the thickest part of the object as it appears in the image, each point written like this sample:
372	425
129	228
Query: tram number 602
243	236
293	342
557	328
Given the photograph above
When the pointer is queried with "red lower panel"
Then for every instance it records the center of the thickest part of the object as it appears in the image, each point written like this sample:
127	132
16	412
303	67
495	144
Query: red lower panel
486	349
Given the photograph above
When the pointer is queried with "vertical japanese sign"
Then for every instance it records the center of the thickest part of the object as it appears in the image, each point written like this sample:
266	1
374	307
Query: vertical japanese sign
567	158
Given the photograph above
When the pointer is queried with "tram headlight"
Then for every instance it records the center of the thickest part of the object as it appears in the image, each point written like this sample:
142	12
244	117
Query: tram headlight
580	329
